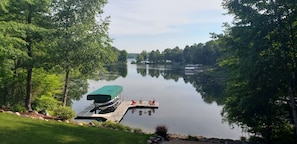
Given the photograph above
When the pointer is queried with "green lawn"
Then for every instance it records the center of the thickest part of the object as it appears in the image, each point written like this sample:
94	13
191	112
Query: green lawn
19	130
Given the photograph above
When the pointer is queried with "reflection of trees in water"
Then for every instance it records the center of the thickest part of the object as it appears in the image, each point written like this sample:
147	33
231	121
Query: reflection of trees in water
153	70
143	111
79	85
112	72
141	69
211	87
120	69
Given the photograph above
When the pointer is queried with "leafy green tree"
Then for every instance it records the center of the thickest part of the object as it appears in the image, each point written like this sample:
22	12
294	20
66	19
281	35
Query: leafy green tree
82	40
3	5
167	54
11	34
25	24
159	56
174	55
143	56
261	55
177	55
123	56
46	83
187	54
155	56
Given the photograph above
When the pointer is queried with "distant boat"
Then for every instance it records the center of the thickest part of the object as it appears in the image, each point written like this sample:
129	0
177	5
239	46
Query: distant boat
107	97
191	69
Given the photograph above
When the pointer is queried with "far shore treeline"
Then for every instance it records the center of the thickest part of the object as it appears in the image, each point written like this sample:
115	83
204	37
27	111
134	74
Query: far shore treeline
205	54
49	48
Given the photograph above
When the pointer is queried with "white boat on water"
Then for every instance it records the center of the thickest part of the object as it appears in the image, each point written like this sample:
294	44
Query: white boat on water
112	103
191	69
107	97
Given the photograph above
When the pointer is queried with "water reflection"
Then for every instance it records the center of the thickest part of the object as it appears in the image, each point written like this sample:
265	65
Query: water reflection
141	111
189	104
78	85
211	87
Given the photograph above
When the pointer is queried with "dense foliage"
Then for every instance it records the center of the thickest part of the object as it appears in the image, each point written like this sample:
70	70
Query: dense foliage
46	46
260	54
205	54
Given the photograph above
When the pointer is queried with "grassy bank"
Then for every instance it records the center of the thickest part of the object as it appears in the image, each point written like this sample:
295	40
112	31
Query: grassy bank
19	130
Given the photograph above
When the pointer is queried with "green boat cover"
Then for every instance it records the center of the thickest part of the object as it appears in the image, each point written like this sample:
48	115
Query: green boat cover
105	94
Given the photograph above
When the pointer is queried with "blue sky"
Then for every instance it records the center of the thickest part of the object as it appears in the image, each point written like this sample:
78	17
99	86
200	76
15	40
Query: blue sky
138	25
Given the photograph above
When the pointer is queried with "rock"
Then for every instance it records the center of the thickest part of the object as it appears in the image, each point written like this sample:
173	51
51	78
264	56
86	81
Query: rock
44	112
10	112
17	113
92	124
41	118
176	138
2	111
26	116
47	114
155	139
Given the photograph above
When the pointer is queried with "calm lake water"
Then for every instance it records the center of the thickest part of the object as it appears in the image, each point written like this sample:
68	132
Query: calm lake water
181	108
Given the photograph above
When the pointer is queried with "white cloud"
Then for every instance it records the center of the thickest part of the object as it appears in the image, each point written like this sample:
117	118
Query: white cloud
138	25
153	17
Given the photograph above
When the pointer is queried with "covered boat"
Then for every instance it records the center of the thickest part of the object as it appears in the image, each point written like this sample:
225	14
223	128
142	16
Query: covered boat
106	97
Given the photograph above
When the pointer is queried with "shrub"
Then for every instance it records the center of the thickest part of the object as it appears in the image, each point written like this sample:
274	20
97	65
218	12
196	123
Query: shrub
19	108
128	129
161	131
137	130
192	138
64	113
112	125
46	103
242	138
96	123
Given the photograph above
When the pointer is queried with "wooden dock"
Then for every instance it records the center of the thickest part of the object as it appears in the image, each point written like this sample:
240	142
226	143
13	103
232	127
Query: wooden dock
120	111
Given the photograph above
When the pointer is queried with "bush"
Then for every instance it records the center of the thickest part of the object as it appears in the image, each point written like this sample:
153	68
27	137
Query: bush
46	103
161	131
112	125
96	123
64	113
192	138
19	108
138	130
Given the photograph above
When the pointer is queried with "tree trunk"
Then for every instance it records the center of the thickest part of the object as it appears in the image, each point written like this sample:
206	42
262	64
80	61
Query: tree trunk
293	106
65	92
29	90
29	64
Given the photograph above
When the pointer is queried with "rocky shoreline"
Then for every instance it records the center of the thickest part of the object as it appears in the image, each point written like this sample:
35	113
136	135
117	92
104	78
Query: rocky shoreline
183	139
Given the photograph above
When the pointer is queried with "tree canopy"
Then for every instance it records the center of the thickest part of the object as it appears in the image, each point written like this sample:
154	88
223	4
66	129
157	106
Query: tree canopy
42	39
260	53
